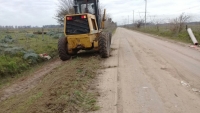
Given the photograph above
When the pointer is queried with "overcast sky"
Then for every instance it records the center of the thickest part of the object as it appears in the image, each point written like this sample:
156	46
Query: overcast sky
42	12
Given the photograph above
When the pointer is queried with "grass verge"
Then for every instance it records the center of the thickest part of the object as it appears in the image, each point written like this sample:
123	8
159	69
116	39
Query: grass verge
166	33
67	89
7	80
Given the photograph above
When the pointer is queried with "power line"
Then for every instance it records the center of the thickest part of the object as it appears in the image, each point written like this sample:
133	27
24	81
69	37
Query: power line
188	8
133	17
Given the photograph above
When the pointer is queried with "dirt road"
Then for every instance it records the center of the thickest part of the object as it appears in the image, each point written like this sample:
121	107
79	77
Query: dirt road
149	75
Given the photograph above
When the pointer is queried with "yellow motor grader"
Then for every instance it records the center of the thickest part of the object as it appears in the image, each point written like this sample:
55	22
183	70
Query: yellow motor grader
84	31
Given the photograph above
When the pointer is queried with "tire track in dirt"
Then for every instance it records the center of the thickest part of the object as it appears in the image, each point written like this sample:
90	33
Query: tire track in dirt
184	65
30	82
109	81
119	85
146	97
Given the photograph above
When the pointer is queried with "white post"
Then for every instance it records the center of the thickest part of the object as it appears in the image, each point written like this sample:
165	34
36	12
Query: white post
145	12
194	40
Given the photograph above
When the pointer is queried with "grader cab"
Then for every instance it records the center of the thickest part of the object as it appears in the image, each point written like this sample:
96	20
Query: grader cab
84	31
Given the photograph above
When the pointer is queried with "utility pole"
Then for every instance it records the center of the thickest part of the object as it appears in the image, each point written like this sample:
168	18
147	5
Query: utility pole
133	16
145	13
124	22
128	21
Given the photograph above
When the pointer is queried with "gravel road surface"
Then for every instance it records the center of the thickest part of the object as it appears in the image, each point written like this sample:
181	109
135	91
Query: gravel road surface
149	75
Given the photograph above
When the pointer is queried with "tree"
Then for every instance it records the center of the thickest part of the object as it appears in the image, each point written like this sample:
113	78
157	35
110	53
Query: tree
157	23
65	7
177	24
139	23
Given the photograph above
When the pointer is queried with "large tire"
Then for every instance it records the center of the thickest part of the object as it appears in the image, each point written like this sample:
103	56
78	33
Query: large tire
62	49
110	37
104	45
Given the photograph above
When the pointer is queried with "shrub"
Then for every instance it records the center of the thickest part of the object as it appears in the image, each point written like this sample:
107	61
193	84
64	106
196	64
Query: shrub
11	65
7	39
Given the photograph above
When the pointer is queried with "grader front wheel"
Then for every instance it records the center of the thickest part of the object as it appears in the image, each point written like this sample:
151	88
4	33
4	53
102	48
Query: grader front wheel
104	45
62	49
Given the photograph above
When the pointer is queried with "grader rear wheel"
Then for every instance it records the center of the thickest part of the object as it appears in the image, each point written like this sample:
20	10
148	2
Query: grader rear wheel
104	45
110	37
62	49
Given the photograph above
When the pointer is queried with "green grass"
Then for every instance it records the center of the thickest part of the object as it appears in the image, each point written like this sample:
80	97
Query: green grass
70	88
14	64
11	65
30	100
84	100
